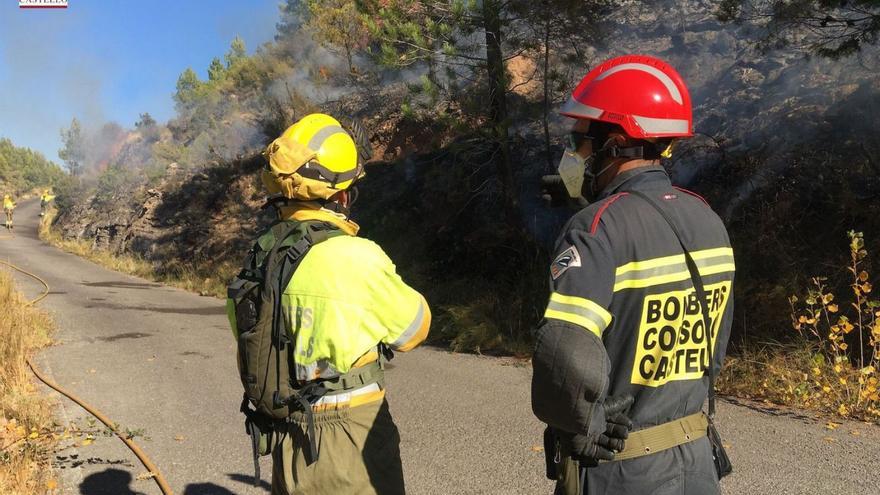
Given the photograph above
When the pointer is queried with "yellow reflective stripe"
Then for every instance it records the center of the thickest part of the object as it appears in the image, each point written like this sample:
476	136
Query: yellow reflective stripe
640	283
583	303
369	357
711	253
635	266
576	319
360	400
417	331
358	397
711	270
667	269
671	260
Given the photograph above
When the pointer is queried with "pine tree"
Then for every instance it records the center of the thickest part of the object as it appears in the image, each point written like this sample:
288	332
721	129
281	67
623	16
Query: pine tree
148	127
466	40
22	169
187	84
564	29
338	26
459	40
145	121
216	70
73	153
236	52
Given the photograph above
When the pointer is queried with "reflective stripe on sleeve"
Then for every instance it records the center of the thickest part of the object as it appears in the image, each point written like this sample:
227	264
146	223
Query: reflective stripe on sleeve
579	311
416	332
667	269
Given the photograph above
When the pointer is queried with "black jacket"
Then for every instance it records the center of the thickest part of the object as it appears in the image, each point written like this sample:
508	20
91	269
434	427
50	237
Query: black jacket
619	275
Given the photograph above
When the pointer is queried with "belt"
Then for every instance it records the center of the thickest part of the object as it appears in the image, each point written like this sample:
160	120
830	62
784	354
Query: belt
661	437
355	378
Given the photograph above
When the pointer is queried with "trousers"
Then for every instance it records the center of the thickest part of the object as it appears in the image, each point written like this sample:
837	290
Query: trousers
358	453
684	470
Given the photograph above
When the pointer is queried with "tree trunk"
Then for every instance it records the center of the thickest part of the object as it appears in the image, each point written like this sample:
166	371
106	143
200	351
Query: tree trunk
547	89
497	82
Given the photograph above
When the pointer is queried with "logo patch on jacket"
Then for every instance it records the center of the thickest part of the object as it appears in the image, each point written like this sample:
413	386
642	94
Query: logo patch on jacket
564	261
672	341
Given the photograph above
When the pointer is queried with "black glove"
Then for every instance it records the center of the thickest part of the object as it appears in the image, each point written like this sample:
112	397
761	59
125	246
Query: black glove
612	428
555	195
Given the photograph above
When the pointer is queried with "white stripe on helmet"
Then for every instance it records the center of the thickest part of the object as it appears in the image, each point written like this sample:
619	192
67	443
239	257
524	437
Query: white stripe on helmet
666	80
578	109
325	132
662	126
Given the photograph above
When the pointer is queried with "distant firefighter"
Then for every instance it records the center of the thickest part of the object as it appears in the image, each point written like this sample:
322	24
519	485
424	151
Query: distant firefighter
641	299
8	207
45	200
316	311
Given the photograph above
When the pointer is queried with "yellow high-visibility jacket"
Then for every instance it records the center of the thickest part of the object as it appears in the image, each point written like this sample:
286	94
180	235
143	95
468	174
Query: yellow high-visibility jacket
344	299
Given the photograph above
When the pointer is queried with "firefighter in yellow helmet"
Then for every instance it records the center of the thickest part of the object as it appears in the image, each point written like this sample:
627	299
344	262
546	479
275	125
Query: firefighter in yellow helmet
8	207
45	200
316	311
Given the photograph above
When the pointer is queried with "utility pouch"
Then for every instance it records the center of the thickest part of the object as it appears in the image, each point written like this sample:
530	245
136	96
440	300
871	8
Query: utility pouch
245	296
552	454
722	462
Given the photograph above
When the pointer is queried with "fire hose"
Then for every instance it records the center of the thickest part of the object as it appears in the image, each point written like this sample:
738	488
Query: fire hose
148	464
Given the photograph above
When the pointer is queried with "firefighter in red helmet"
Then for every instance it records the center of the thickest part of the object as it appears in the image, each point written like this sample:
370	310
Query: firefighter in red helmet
641	298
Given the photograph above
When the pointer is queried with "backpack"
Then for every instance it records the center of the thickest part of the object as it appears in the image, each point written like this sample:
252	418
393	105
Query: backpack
265	350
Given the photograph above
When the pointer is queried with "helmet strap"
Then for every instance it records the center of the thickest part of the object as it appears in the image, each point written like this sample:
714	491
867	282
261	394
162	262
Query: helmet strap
353	195
337	206
614	151
276	201
609	152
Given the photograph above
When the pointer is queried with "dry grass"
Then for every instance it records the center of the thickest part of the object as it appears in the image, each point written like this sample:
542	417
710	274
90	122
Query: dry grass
177	275
797	375
833	364
25	417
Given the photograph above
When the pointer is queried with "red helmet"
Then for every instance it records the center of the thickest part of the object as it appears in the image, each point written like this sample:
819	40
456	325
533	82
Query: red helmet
642	94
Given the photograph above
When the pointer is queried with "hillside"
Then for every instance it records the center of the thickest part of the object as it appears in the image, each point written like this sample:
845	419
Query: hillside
784	153
22	169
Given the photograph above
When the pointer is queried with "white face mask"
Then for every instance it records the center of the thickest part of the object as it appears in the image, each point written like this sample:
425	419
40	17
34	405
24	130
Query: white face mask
572	169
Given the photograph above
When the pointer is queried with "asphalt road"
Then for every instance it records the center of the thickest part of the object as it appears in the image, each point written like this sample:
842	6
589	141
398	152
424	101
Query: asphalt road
161	361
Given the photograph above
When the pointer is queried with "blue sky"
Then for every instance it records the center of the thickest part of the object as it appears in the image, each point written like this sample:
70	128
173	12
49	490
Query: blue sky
110	60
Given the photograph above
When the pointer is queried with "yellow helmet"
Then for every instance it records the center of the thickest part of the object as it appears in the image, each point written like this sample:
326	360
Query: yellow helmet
313	159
